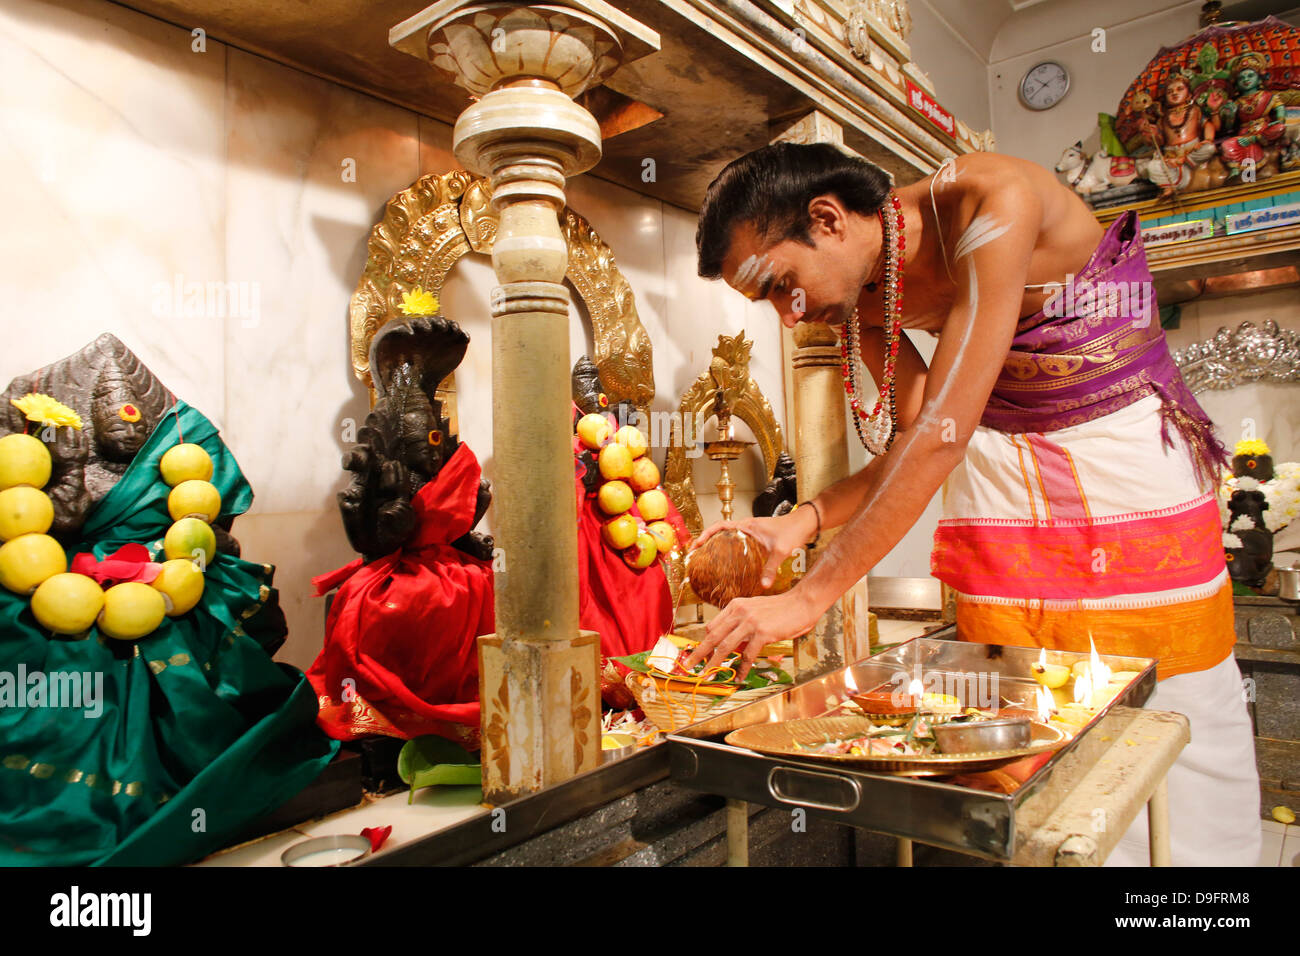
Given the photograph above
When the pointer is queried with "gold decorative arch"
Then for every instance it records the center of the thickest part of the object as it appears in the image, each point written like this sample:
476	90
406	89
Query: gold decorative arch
728	370
427	227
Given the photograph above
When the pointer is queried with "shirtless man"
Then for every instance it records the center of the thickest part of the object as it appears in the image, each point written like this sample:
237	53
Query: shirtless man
1047	414
1029	231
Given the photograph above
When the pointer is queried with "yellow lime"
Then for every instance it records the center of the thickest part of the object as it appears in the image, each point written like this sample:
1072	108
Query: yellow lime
1050	676
615	741
67	603
24	460
181	585
632	437
1283	815
131	611
187	462
187	536
28	560
194	499
24	510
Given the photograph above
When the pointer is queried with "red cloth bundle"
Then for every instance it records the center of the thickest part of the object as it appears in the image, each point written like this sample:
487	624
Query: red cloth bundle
400	655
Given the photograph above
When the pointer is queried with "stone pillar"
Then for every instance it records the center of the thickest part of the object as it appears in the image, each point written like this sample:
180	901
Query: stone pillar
821	450
538	678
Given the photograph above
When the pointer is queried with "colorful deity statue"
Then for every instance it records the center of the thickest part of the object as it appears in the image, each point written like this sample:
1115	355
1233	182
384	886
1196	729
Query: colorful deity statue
1183	136
1255	118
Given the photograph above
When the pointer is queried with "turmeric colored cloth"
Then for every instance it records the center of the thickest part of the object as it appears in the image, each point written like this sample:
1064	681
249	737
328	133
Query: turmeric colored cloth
400	657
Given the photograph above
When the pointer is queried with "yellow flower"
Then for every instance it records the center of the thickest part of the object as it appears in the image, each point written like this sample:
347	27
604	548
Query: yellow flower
419	302
46	411
1251	446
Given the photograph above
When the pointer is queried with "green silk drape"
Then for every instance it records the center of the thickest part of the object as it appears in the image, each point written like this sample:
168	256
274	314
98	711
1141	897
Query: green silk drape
196	733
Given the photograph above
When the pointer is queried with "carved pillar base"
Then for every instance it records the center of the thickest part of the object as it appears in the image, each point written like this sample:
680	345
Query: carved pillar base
541	712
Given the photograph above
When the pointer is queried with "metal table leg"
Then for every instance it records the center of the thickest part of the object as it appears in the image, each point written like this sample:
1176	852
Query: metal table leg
1158	823
903	853
737	833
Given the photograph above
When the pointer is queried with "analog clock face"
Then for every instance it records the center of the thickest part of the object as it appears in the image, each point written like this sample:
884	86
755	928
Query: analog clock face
1044	86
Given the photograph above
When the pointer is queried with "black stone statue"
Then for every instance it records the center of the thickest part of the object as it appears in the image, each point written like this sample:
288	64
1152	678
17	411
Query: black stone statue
405	440
781	494
98	383
1250	563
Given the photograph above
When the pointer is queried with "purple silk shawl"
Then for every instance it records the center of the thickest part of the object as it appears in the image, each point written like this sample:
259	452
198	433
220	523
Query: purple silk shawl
1095	347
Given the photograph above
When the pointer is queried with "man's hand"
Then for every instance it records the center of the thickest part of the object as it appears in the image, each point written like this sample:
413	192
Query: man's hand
749	625
779	536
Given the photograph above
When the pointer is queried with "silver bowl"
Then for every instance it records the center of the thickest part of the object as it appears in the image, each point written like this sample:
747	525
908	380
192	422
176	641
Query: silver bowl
983	736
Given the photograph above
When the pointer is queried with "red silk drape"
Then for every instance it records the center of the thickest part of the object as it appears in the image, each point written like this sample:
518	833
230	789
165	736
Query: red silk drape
400	656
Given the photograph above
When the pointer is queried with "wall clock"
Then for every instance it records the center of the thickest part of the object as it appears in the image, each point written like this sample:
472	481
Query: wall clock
1044	85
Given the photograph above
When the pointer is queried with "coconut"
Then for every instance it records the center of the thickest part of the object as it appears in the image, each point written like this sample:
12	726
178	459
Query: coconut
728	565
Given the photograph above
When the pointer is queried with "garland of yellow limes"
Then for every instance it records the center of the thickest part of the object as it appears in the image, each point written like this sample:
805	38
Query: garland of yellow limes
32	562
630	476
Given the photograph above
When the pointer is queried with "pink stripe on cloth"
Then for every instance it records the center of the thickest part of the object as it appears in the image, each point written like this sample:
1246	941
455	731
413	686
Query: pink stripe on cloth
1072	558
1058	479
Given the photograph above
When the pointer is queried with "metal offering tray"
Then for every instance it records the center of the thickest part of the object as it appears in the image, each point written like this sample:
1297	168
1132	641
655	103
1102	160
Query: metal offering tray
932	810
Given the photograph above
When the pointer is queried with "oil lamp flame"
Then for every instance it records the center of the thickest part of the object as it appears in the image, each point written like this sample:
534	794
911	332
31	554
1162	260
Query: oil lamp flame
850	683
1099	672
916	688
1046	704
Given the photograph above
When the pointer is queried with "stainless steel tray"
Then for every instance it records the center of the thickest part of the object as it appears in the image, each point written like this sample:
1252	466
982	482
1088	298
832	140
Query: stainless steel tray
930	810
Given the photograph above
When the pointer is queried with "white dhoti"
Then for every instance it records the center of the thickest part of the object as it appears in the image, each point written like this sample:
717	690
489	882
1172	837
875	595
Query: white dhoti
1214	787
1099	532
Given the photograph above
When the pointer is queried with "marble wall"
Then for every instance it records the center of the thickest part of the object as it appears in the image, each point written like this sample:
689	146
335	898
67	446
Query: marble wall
134	162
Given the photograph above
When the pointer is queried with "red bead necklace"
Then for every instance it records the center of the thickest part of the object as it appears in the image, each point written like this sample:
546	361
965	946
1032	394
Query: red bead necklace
878	434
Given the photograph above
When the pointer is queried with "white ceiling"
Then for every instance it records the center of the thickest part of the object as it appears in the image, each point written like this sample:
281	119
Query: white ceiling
979	22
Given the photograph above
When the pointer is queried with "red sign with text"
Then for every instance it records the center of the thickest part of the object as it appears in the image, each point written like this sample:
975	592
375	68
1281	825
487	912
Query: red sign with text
927	107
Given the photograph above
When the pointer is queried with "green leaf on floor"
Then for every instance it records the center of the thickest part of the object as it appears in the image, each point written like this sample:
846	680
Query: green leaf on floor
433	760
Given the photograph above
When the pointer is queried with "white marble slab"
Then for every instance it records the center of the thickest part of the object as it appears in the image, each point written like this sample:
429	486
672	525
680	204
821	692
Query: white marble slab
297	231
114	174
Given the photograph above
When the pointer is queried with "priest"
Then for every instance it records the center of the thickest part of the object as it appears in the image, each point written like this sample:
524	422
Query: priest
1077	467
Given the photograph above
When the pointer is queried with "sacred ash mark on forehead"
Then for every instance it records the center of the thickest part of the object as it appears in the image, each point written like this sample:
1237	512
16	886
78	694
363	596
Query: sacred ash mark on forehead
753	273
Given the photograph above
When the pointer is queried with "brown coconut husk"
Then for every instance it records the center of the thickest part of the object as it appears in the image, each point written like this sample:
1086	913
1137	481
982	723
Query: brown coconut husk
727	566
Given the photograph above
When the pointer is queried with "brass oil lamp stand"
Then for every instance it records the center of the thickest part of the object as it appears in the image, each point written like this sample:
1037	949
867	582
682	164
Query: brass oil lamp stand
724	450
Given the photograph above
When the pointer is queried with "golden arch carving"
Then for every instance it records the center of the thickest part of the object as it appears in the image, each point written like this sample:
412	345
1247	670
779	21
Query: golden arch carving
728	370
427	227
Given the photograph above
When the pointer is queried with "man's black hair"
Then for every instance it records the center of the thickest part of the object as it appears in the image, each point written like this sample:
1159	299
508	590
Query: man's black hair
771	188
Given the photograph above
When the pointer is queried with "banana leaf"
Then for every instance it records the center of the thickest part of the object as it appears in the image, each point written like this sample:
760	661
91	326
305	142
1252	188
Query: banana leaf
433	760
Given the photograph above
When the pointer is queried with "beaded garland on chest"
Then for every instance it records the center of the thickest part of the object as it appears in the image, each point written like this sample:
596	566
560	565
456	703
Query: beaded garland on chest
877	435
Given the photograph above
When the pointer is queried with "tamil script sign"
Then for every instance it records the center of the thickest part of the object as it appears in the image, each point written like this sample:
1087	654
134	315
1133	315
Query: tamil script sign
1268	218
1178	232
936	114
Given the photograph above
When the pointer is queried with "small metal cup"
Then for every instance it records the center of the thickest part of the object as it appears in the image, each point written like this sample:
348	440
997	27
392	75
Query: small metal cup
347	848
984	736
1288	583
